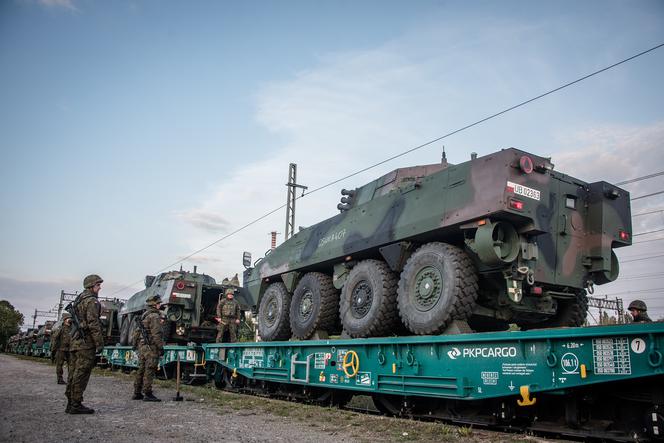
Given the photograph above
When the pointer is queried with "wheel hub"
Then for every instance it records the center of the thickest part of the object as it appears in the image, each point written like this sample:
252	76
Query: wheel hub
361	299
428	288
271	312
306	305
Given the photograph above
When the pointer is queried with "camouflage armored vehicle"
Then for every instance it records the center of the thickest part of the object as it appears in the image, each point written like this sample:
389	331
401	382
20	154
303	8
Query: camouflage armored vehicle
189	302
109	317
29	341
498	239
42	347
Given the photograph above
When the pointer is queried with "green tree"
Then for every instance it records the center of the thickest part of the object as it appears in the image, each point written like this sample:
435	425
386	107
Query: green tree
10	322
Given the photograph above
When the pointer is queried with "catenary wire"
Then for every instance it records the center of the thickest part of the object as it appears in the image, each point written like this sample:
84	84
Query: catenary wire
408	151
638	179
647	213
647	195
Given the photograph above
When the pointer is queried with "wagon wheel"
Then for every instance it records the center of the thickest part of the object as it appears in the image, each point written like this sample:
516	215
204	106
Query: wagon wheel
368	300
273	313
437	285
314	306
391	405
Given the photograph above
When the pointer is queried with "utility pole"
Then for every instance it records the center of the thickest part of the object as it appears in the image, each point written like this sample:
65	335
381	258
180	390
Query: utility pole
48	314
65	296
609	305
290	201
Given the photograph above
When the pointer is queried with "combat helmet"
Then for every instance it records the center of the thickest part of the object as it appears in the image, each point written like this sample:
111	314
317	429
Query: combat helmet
639	305
152	301
229	291
65	315
91	280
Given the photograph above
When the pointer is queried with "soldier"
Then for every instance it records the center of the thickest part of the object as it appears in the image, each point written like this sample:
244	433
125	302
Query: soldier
60	341
148	338
228	312
638	310
86	341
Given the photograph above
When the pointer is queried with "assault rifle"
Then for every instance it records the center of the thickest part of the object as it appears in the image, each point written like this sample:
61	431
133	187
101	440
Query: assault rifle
76	329
144	333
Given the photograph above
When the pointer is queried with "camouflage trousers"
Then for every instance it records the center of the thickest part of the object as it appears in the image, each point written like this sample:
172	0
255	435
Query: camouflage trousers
60	358
148	362
80	368
231	327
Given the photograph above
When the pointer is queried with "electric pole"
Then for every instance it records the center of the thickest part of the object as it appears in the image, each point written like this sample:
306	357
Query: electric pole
290	201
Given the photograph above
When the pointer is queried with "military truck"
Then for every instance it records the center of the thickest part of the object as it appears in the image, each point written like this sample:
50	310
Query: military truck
496	240
189	302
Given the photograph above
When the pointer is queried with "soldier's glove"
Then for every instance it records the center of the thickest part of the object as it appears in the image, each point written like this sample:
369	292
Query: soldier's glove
161	352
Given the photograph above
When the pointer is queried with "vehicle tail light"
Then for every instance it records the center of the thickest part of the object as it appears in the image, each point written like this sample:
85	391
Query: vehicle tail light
623	235
536	290
516	204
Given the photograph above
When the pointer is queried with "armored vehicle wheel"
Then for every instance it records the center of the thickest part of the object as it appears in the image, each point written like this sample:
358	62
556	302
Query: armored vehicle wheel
124	331
133	326
273	313
368	300
437	285
570	312
314	306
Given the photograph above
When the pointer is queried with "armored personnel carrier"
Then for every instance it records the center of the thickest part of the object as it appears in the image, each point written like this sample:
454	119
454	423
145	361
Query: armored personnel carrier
42	347
496	240
189	302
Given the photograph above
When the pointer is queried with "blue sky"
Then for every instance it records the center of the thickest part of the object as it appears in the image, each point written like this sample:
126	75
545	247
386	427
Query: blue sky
133	133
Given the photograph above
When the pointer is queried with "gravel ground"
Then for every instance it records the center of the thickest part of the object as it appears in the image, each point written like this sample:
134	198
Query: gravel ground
33	405
32	410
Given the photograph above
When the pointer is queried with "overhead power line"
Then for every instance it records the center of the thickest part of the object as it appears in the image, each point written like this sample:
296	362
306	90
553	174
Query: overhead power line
647	195
638	179
646	233
648	213
408	151
644	258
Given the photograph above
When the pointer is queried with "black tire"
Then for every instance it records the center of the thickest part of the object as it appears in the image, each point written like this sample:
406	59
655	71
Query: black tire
273	313
368	300
572	313
315	305
437	285
124	330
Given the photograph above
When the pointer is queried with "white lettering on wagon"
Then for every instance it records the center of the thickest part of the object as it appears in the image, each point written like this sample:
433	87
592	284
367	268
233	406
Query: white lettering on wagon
489	352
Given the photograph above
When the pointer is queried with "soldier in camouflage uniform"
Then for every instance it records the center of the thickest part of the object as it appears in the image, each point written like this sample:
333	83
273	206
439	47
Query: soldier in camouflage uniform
228	312
639	312
60	341
86	341
148	338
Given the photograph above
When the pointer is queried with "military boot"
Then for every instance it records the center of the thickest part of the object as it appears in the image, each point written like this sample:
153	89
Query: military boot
137	396
61	381
79	408
150	397
68	408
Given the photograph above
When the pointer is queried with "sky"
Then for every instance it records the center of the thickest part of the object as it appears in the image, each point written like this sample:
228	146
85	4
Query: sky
135	133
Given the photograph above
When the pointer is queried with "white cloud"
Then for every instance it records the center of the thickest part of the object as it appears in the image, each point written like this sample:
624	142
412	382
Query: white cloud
66	4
